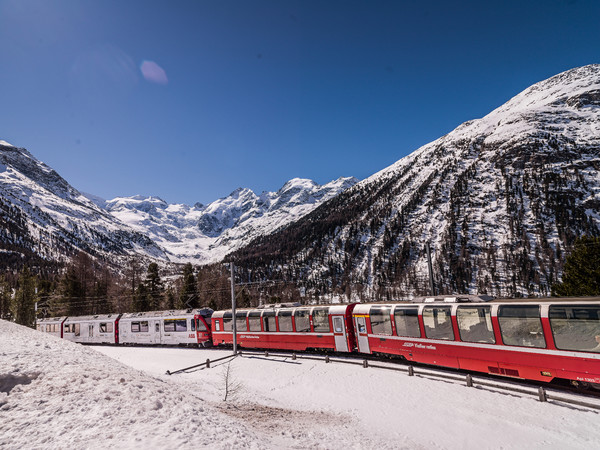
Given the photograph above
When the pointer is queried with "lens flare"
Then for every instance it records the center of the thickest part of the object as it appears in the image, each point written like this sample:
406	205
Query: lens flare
153	72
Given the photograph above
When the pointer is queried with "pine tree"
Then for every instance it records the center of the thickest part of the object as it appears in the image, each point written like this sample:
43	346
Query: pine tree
5	298
189	293
154	286
141	299
24	302
171	298
581	275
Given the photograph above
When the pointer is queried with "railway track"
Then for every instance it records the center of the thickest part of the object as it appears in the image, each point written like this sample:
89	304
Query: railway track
560	395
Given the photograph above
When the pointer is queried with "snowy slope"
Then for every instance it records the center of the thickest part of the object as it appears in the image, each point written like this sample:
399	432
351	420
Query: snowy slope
207	233
41	212
500	199
57	394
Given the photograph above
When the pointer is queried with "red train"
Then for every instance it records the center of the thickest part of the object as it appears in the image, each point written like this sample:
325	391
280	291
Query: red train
544	340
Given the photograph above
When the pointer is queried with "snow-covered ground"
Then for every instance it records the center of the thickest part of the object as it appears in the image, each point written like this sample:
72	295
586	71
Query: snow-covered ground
56	394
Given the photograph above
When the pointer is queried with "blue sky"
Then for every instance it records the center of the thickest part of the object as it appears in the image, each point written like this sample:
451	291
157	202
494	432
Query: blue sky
254	93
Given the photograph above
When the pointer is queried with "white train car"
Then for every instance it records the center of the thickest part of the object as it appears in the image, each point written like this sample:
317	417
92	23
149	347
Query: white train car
175	327
51	325
98	329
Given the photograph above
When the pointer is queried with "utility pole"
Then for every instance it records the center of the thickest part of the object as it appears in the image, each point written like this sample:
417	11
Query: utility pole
430	268
233	318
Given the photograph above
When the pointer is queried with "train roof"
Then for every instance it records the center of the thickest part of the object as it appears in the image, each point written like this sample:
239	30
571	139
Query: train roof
52	319
207	312
112	316
335	308
482	299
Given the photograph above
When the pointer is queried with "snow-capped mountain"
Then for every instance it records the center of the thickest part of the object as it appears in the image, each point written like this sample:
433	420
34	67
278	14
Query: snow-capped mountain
499	199
204	234
41	214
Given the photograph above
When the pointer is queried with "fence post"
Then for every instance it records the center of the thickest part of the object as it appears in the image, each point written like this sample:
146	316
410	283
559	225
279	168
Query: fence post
411	371
469	380
327	358
208	363
365	363
294	356
266	354
542	394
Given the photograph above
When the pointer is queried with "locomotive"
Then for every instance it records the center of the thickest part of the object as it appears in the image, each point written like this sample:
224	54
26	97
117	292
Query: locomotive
548	340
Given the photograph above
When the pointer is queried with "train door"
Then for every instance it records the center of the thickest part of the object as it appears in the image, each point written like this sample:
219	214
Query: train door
362	337
339	333
156	332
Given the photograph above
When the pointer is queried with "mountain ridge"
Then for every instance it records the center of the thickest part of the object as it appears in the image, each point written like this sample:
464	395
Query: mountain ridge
499	198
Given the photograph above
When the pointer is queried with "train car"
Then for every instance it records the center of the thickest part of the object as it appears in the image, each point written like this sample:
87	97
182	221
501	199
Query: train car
176	327
288	328
543	340
98	329
51	325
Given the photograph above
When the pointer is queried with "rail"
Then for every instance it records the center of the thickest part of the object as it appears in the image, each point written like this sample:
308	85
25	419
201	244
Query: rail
543	394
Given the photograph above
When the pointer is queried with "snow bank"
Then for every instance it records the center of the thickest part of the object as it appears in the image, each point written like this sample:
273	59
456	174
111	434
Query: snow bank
56	394
372	408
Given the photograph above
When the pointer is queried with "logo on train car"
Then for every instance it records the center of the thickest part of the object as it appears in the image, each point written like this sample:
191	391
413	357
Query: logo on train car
411	344
588	380
244	336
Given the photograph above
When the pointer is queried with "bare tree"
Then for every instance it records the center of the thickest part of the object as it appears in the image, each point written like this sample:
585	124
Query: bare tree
231	386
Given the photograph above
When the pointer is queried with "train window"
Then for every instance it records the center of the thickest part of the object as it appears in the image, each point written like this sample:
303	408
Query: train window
269	321
180	325
475	324
193	324
576	327
201	325
144	326
381	322
169	326
102	327
67	328
156	327
254	321
301	317
285	321
407	322
76	329
438	323
227	322
135	327
240	321
338	325
217	325
321	320
521	325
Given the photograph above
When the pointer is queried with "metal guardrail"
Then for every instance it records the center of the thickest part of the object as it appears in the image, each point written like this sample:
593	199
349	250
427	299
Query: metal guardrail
207	364
542	393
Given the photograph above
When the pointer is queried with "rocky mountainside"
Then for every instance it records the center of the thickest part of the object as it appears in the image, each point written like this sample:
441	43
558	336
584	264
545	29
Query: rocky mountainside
499	199
205	234
43	217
